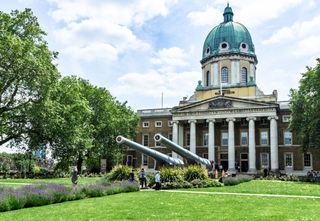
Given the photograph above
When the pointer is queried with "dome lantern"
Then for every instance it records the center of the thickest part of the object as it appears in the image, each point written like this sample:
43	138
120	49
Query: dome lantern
228	14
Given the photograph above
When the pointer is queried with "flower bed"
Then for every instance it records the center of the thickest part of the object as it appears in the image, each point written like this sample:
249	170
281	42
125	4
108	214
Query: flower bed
43	194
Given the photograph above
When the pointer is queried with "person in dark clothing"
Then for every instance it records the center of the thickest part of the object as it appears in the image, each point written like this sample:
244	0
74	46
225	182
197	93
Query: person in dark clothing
74	176
143	179
131	176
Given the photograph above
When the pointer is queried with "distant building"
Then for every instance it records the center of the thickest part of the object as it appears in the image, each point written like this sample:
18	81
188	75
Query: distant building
228	119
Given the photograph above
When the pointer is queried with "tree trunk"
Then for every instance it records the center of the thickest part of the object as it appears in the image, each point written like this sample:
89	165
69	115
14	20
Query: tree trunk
79	164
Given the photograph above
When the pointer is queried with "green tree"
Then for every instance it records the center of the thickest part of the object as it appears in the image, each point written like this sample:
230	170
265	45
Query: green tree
26	72
305	107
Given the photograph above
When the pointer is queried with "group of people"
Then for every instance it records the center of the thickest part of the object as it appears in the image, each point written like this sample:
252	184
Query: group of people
143	179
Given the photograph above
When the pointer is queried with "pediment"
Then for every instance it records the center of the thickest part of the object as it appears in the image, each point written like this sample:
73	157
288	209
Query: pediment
223	102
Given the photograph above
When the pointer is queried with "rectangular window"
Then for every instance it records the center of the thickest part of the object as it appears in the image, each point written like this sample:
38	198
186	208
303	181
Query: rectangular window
264	160
145	160
224	139
205	139
285	118
244	138
145	124
287	138
205	155
264	138
129	160
157	144
158	124
188	139
288	159
263	121
307	160
145	141
244	122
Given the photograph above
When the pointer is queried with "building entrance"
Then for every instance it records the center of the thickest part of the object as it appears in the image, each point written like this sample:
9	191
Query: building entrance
224	161
244	162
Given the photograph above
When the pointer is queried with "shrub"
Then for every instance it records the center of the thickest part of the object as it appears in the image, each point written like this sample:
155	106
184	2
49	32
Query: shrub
212	183
231	181
281	178
195	172
244	178
119	172
171	175
36	170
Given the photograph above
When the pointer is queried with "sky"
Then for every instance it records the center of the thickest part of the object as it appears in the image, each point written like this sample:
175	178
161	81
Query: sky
139	49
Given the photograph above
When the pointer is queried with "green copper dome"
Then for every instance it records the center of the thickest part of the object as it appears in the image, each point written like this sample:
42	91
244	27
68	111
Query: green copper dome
228	38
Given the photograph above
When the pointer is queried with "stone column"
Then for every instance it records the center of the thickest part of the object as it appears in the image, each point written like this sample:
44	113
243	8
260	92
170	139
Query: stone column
211	153
175	135
180	137
274	143
192	135
252	146
231	150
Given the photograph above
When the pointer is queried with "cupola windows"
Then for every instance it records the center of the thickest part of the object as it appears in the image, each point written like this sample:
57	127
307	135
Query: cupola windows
243	47
244	76
208	79
208	50
224	46
224	75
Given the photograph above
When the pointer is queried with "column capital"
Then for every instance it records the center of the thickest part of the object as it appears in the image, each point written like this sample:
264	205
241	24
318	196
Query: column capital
251	118
192	121
175	122
231	119
211	120
273	117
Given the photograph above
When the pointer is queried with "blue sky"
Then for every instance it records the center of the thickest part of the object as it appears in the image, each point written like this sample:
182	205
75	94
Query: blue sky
139	49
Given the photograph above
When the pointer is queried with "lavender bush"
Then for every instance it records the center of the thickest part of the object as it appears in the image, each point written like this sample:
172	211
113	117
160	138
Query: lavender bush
43	194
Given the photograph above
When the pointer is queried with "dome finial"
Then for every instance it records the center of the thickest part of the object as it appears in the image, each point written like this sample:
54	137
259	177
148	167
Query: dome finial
228	14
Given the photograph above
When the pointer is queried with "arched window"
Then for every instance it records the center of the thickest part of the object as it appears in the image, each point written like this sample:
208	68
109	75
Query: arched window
244	76
208	79
224	75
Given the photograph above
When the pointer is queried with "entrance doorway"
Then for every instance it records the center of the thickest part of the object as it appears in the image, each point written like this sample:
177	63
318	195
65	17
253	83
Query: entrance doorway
224	161
244	162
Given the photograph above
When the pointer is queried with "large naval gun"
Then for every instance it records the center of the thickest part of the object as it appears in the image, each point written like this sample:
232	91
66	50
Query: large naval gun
150	152
182	151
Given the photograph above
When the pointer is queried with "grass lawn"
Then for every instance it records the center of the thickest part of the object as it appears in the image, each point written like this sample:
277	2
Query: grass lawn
269	187
151	205
81	180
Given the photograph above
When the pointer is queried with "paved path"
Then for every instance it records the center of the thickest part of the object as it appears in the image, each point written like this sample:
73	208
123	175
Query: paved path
15	183
243	194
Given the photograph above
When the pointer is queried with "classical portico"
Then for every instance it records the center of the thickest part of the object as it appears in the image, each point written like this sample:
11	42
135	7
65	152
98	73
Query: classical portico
232	111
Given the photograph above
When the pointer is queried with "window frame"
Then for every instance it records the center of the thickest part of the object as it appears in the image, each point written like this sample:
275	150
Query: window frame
143	135
242	75
261	160
260	136
145	160
188	138
205	134
147	122
156	122
224	75
285	159
311	163
284	137
222	144
246	132
286	118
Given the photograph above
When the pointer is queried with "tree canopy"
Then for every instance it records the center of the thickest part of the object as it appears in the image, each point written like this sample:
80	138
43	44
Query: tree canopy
38	108
27	72
305	107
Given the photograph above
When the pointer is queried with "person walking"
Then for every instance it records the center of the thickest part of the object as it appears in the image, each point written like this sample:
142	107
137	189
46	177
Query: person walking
74	176
143	180
157	180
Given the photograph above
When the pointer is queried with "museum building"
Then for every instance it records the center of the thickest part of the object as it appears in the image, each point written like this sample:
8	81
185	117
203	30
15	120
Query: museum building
228	119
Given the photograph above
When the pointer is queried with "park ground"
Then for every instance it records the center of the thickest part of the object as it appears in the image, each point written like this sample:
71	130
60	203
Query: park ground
163	205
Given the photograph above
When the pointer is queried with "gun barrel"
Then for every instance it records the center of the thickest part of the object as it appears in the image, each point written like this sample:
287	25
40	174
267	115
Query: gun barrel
181	151
150	152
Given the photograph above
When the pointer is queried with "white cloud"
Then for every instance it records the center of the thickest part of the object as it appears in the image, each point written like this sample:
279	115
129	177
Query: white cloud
153	83
251	13
169	58
302	37
88	24
207	17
